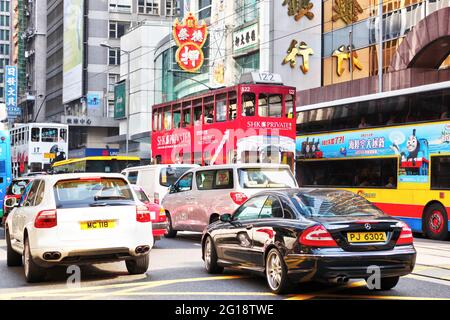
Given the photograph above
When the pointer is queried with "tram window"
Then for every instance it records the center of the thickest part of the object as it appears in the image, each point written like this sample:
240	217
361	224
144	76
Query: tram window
63	135
187	158
186	114
250	157
49	135
209	110
35	134
269	105
198	118
440	172
221	108
198	158
155	120
263	105
177	116
167	119
232	102
22	136
368	173
289	104
248	104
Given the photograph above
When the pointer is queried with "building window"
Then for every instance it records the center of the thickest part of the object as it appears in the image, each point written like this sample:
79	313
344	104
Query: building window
4	35
4	21
110	109
114	56
204	9
117	29
112	80
172	7
148	6
4	6
249	62
120	5
246	11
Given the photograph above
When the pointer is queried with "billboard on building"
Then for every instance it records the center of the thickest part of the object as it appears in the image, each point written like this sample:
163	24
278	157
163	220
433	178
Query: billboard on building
120	100
11	92
73	50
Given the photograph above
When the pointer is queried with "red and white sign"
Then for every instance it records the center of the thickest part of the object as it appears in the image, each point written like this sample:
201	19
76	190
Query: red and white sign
190	38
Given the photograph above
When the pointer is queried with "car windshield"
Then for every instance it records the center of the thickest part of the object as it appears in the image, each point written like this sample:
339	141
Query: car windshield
141	195
323	203
253	178
170	175
91	192
18	187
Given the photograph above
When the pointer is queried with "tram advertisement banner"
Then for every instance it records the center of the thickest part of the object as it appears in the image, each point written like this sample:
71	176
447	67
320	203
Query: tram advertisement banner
413	144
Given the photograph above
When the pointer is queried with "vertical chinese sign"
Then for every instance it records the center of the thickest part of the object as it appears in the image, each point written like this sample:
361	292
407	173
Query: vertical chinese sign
190	38
120	100
11	92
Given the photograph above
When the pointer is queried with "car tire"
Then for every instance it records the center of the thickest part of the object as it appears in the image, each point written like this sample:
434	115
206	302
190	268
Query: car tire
436	222
13	259
276	273
33	272
210	257
388	283
138	265
170	232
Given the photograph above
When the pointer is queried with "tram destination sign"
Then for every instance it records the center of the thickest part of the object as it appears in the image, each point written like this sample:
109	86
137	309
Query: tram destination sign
262	78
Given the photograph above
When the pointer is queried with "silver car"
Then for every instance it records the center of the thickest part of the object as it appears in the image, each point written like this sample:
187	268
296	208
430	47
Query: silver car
202	194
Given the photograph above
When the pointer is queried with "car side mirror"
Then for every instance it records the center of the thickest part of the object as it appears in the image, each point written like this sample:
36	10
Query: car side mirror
11	203
226	217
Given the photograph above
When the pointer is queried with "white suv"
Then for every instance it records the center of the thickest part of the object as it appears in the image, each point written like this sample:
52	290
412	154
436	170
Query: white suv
80	218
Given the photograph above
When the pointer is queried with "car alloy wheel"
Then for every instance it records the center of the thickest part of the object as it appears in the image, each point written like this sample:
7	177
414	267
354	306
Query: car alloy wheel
436	222
274	271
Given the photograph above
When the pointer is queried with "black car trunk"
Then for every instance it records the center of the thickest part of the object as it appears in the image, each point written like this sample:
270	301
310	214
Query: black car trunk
363	233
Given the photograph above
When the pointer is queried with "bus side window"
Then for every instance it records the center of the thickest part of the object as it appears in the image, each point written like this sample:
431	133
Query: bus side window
232	112
289	104
248	104
35	134
62	135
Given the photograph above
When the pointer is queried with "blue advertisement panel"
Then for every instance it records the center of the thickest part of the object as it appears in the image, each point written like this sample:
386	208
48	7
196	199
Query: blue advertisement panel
413	144
11	92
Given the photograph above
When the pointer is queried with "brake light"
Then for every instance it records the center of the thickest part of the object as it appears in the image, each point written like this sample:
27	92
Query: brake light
162	212
238	197
156	197
90	179
406	236
317	236
46	219
142	214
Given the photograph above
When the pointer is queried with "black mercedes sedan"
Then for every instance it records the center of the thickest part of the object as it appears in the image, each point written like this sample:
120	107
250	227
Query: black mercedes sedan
299	235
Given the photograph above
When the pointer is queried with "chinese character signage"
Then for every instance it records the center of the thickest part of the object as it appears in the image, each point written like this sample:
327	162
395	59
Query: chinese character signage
342	54
298	50
246	38
11	92
190	38
120	100
412	144
347	10
299	9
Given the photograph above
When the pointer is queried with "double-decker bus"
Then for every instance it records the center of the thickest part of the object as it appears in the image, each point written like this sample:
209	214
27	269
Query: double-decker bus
35	146
248	123
5	165
394	151
111	164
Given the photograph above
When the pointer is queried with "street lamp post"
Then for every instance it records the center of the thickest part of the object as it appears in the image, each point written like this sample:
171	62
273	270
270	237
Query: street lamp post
128	87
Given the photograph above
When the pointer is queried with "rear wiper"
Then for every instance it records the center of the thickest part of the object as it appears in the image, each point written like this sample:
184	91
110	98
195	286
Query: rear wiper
98	204
97	198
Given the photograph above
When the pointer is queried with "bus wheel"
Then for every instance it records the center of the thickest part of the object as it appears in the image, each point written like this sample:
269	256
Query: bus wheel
436	222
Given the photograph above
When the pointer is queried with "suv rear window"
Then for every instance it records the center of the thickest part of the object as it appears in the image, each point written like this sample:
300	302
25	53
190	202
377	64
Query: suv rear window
254	178
168	176
17	187
86	192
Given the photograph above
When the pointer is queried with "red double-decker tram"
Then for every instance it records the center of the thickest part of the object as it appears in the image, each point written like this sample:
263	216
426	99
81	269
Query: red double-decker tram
246	123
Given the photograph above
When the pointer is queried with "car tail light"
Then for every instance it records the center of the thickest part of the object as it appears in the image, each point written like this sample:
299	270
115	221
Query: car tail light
142	214
317	236
156	197
406	236
238	197
162	212
46	219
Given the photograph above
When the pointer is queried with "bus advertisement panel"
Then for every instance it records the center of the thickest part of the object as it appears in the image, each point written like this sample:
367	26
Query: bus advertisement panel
404	170
5	165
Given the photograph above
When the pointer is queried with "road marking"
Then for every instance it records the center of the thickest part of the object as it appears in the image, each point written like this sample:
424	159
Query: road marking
351	296
310	295
136	286
149	285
